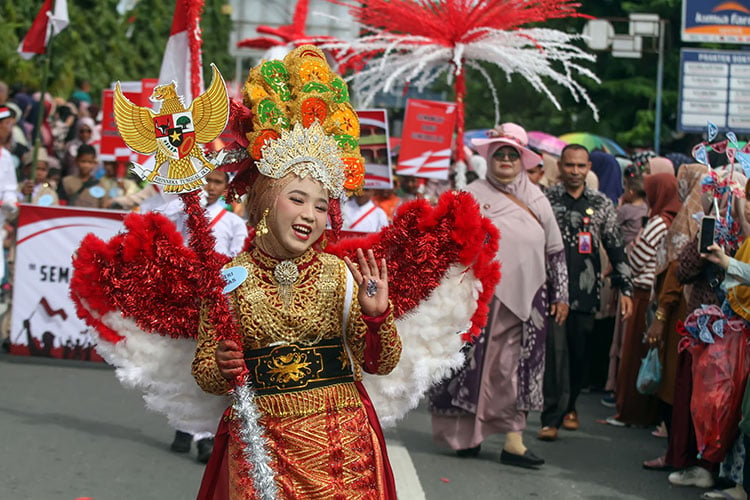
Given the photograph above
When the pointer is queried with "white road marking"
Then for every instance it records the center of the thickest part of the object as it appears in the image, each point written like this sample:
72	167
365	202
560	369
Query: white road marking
408	486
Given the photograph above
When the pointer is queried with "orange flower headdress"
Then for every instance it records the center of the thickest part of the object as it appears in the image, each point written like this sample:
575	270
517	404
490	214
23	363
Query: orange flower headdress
302	122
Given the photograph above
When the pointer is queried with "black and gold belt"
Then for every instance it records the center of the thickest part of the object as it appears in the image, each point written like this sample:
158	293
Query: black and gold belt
293	367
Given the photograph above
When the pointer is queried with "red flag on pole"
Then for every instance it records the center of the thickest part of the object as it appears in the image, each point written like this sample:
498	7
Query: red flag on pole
51	20
182	56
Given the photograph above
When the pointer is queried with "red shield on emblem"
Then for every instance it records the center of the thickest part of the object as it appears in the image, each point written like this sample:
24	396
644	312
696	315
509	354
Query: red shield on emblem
175	134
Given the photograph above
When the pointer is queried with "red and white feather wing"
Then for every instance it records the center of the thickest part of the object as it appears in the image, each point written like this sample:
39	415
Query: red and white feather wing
140	293
442	275
432	340
159	366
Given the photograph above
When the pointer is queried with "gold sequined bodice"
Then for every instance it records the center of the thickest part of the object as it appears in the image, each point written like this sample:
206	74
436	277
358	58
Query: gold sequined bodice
309	311
306	311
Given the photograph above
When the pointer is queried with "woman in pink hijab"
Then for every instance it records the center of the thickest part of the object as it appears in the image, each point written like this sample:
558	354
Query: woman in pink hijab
502	380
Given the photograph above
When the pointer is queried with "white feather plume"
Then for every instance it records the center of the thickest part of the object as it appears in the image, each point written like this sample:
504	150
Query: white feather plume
431	339
160	367
537	54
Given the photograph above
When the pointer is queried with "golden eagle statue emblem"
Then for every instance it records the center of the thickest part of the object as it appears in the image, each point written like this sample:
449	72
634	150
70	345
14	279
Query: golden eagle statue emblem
175	133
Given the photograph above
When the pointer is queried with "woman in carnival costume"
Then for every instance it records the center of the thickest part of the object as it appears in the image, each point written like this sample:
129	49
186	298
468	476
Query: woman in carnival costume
308	326
322	435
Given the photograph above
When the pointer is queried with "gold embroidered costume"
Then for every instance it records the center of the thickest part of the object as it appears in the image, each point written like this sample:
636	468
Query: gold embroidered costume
321	441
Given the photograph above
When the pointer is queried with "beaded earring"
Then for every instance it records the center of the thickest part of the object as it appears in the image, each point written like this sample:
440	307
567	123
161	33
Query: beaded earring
262	227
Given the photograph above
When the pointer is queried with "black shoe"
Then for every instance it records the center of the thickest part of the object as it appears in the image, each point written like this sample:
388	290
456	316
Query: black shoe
205	447
527	460
182	442
469	452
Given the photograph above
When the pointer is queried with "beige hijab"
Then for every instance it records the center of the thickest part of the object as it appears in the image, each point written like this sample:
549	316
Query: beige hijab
684	227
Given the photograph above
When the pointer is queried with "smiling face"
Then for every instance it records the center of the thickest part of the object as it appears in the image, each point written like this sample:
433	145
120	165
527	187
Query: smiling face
298	217
505	164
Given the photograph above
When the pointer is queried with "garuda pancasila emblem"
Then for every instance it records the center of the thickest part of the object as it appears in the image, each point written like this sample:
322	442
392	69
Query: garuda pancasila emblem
175	133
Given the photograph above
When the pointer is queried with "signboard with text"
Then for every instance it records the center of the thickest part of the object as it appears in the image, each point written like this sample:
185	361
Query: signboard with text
715	87
44	320
426	139
719	21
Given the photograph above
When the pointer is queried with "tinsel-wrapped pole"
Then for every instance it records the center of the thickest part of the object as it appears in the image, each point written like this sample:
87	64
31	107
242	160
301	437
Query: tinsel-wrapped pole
203	243
251	432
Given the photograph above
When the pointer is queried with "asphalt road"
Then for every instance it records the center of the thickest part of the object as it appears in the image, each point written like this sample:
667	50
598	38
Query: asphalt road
70	431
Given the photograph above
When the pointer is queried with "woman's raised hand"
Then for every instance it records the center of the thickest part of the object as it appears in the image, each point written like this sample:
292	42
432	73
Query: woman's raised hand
373	282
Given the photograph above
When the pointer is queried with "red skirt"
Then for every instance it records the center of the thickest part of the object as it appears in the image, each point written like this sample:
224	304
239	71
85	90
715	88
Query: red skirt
338	454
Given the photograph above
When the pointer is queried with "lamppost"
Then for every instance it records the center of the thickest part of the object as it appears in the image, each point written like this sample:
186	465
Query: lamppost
601	36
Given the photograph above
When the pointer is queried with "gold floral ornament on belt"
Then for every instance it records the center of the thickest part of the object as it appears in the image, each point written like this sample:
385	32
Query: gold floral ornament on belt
293	367
303	122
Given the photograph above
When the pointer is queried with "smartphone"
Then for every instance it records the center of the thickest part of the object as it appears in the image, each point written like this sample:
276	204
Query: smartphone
706	234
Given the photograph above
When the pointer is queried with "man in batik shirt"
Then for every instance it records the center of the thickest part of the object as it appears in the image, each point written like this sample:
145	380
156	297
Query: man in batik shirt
587	219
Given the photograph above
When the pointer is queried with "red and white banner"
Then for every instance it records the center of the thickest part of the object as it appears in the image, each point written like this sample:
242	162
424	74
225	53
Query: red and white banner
112	147
374	146
427	138
44	317
51	20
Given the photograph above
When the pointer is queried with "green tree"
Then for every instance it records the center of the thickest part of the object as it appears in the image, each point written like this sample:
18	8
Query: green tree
102	46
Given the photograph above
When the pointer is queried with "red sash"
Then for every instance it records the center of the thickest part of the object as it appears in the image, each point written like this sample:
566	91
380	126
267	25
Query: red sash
363	217
217	218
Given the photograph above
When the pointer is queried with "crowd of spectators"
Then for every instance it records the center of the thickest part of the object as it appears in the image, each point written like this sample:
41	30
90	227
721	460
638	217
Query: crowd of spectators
615	258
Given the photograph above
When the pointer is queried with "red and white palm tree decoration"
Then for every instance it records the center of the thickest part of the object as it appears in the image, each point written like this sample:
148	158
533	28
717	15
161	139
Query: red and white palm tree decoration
419	40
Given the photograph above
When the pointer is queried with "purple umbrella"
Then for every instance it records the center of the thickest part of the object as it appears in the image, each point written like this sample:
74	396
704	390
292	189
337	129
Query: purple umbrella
545	142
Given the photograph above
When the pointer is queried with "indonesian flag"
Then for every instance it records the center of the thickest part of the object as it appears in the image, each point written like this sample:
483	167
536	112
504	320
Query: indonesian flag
51	20
182	57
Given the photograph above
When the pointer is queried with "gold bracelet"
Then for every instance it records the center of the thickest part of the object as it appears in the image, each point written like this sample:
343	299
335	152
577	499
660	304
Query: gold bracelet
660	316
